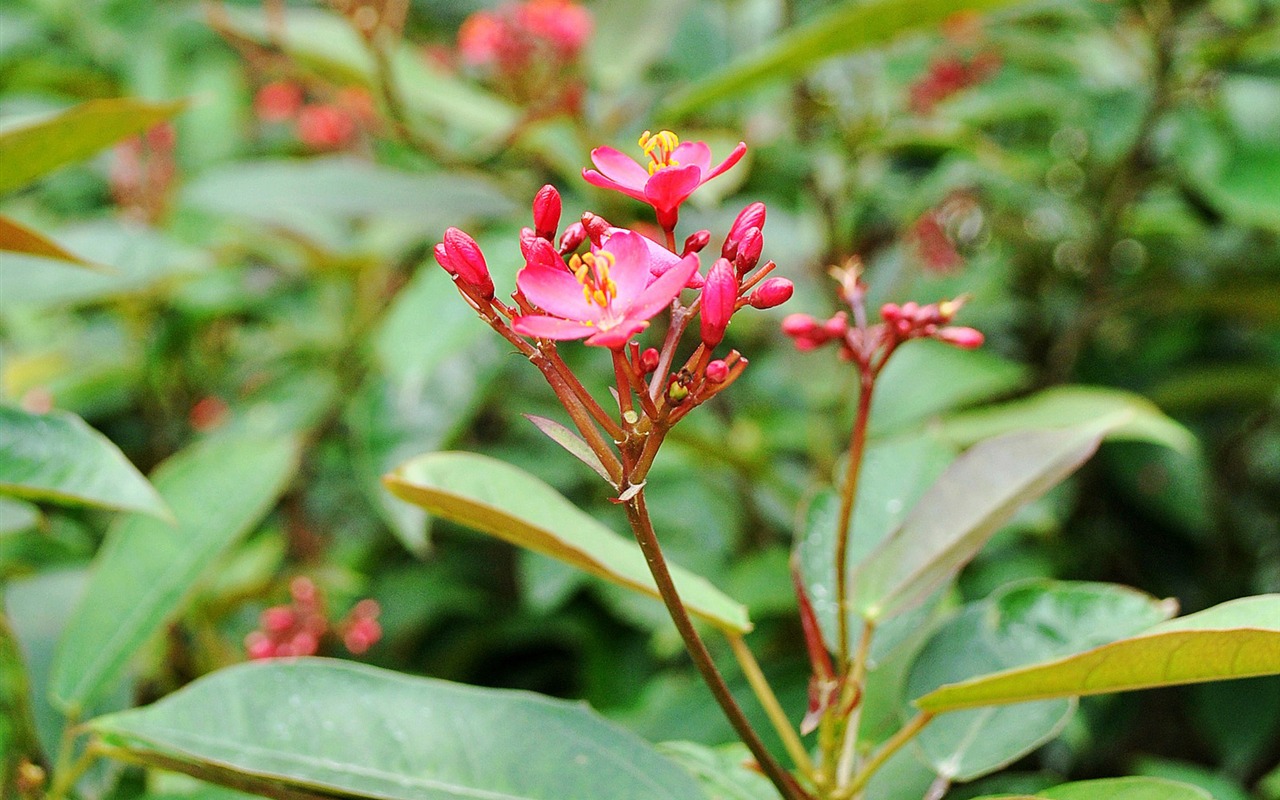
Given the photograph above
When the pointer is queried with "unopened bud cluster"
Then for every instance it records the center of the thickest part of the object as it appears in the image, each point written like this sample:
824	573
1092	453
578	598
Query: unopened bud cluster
299	628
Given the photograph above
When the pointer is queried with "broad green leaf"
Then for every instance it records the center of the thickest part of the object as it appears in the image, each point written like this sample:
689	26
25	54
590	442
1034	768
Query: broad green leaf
1215	783
1023	624
18	238
1069	405
955	378
849	26
57	458
293	193
346	729
501	500
1126	789
29	151
138	258
977	494
1248	188
721	772
895	473
1237	639
218	489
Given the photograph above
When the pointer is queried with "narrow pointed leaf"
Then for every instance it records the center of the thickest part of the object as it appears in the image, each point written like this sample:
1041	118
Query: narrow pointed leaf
57	458
29	151
18	238
17	725
570	441
1237	639
977	494
503	501
847	27
344	729
218	490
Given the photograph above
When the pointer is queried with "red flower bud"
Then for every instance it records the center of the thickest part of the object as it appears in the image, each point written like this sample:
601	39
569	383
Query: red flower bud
278	101
966	338
799	325
572	239
597	228
837	326
717	371
648	361
546	212
719	301
696	242
771	292
540	252
277	619
461	257
749	248
750	217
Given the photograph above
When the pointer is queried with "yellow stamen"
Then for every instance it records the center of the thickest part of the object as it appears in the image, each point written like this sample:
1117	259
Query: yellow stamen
592	271
659	147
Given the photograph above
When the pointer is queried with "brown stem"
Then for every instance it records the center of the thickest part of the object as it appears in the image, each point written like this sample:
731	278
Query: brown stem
848	496
638	516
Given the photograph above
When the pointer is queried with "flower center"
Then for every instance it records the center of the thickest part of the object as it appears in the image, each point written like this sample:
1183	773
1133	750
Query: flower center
592	271
659	148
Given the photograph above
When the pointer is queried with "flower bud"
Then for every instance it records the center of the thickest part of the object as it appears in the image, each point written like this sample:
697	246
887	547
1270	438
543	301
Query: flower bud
463	259
749	248
965	338
696	242
597	228
719	301
800	325
277	619
677	392
546	212
750	217
837	326
717	371
540	252
771	292
572	238
648	361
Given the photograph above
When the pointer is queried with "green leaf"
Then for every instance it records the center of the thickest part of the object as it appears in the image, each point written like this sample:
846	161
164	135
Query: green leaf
954	377
721	771
18	740
137	257
336	727
850	26
29	151
1069	405
1126	789
292	193
503	501
571	442
57	458
977	494
1237	639
1023	624
1248	188
218	489
895	473
18	238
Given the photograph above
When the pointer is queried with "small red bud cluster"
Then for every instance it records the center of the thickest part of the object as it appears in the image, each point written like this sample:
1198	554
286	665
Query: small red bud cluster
299	628
144	172
869	346
529	50
949	75
320	126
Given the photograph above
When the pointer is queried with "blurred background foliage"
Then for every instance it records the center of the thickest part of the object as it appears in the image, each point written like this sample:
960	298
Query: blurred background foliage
1102	179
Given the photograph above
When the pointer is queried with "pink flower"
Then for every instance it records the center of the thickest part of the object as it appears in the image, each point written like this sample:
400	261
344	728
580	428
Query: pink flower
675	170
606	296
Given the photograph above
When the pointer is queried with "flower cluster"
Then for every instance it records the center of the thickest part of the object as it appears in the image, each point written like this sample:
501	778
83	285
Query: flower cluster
299	628
320	126
949	75
869	346
605	285
529	49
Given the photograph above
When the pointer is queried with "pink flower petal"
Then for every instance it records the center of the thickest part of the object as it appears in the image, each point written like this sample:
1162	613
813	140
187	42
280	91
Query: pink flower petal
619	168
695	153
618	335
670	187
660	258
734	158
663	290
557	292
631	268
596	179
551	327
